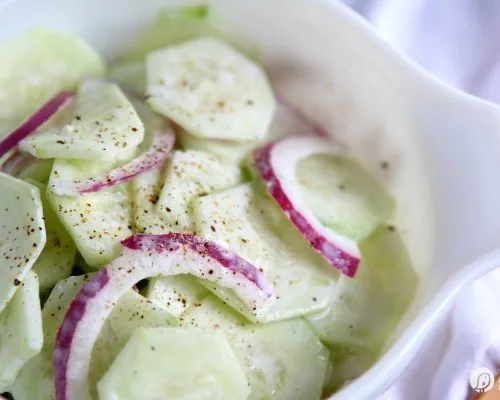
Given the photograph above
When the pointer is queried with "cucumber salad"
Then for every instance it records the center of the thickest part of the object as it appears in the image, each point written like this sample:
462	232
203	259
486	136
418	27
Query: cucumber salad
172	228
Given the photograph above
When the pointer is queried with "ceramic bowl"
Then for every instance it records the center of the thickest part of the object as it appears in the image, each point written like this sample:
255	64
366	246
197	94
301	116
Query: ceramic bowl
442	146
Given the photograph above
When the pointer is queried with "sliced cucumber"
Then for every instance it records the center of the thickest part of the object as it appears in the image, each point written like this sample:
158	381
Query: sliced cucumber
366	309
35	66
282	360
346	198
22	233
133	311
232	150
21	332
211	312
103	125
210	90
246	222
190	174
285	122
38	171
35	382
58	256
146	190
97	222
175	293
175	363
130	76
172	25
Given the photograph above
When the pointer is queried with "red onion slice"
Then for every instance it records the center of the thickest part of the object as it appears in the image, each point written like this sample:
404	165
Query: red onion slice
163	141
35	121
144	256
16	162
276	163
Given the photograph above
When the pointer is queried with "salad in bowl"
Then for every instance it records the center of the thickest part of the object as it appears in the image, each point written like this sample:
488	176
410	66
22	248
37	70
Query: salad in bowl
172	228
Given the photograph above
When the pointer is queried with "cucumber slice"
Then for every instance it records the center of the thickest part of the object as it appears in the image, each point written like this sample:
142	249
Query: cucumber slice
346	198
172	25
103	125
282	360
35	382
211	312
133	311
58	256
285	122
175	363
130	76
232	150
366	309
97	222
35	66
190	174
38	171
21	335
245	222
175	293
210	90
146	190
22	233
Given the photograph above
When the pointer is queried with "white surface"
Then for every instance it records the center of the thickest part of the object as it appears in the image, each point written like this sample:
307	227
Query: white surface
458	42
443	148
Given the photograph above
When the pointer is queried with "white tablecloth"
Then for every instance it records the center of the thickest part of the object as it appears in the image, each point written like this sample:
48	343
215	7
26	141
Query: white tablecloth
458	41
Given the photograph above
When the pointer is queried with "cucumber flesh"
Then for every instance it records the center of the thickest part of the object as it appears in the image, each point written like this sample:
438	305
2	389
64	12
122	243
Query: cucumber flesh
231	150
282	360
175	363
130	76
102	126
23	233
366	309
190	174
285	122
35	66
132	312
36	382
21	335
38	171
172	25
246	222
175	293
210	90
146	190
346	198
97	222
58	256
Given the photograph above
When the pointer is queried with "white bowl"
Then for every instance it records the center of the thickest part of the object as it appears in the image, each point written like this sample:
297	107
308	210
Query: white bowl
443	147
